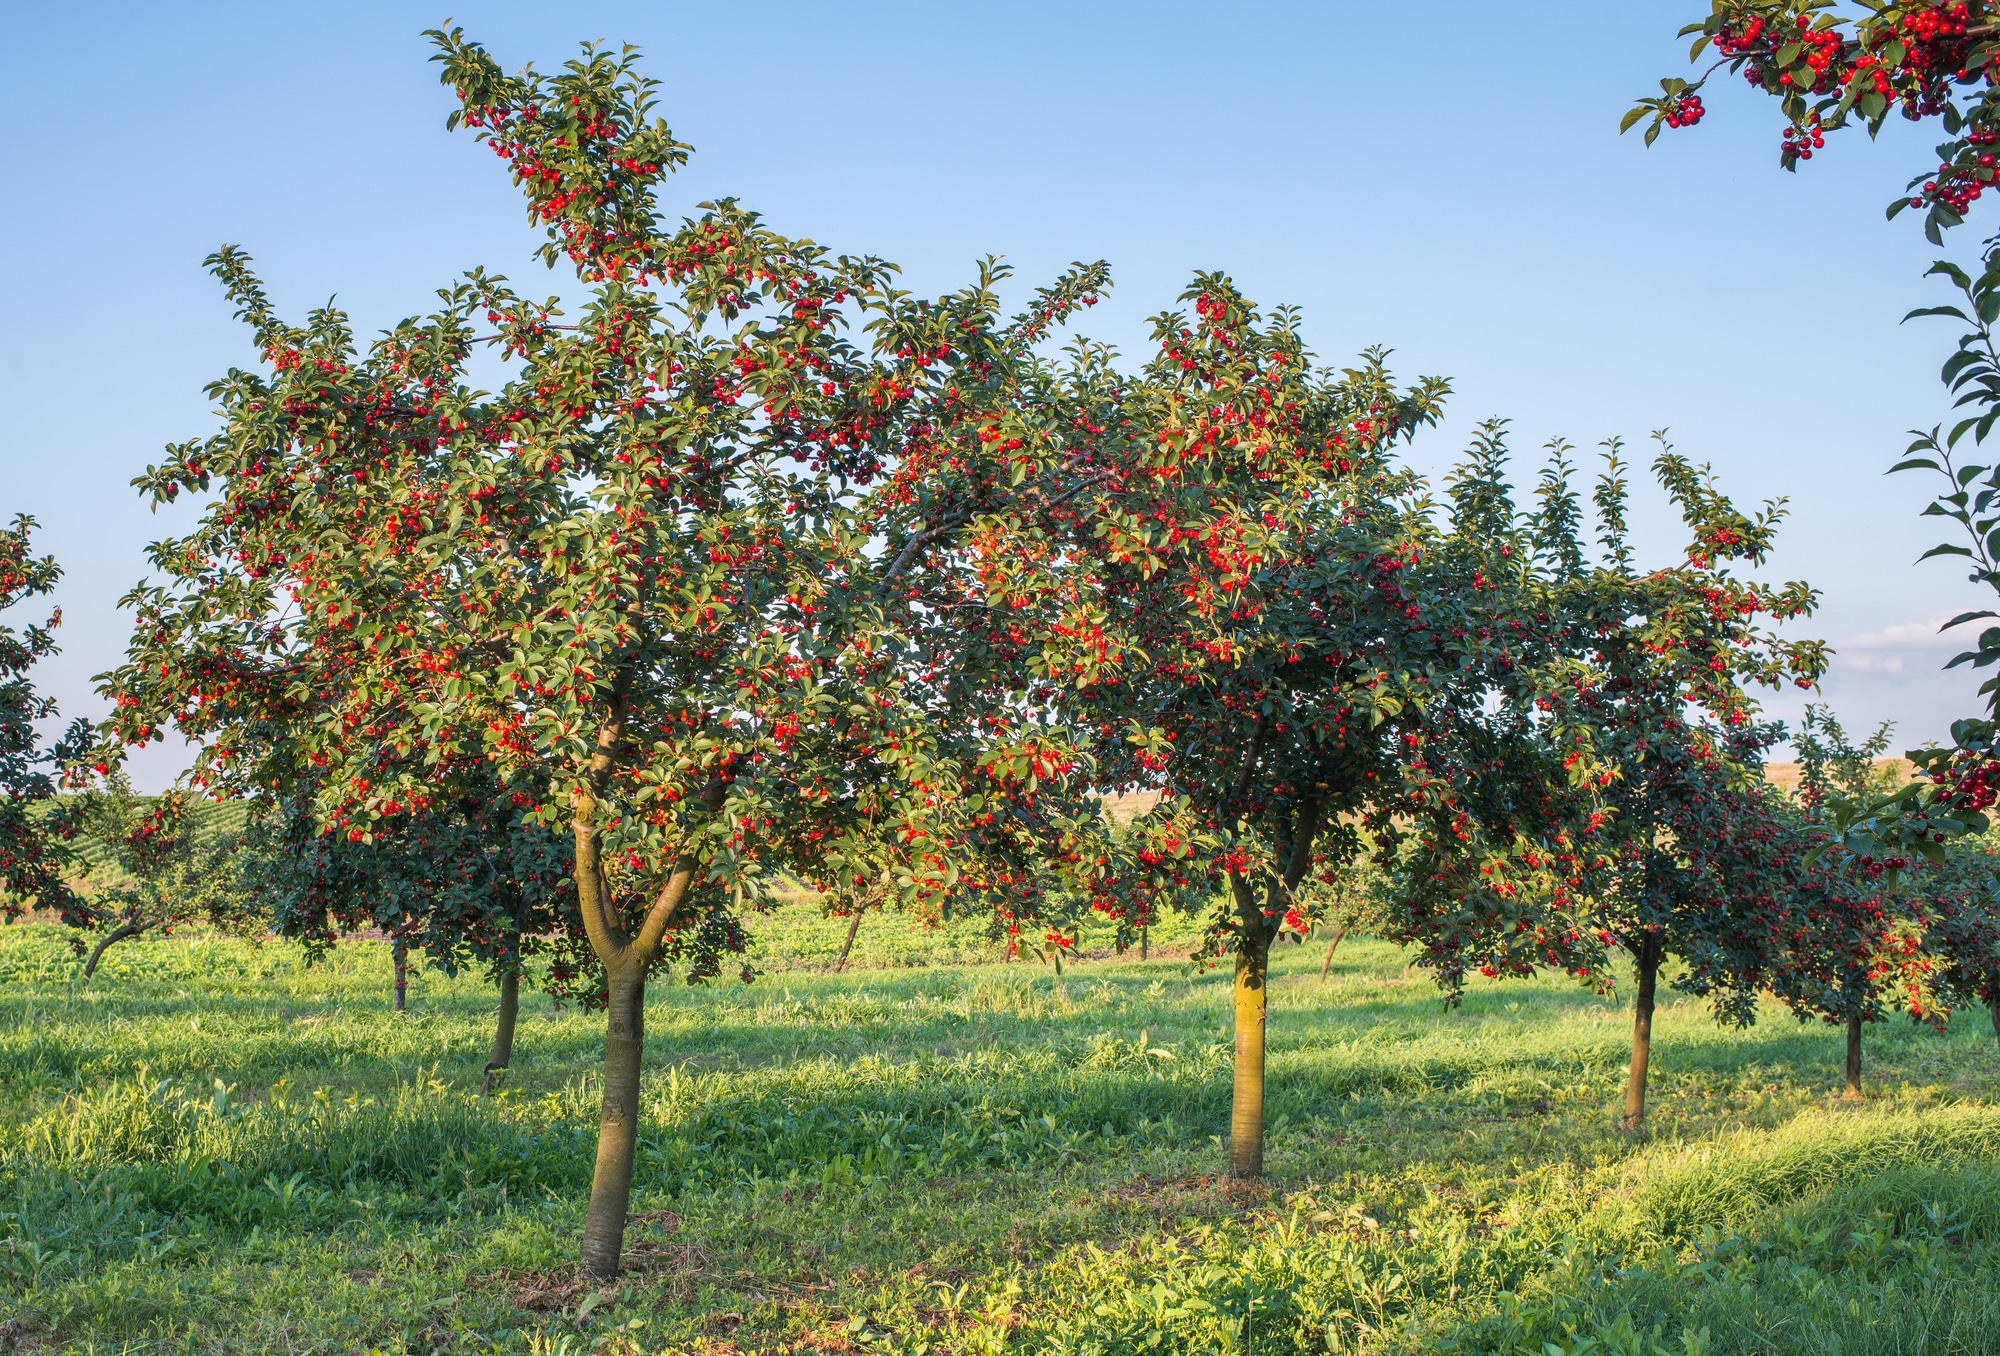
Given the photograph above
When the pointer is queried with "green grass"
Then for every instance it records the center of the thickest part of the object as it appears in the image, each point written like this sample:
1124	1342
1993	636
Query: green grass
216	1148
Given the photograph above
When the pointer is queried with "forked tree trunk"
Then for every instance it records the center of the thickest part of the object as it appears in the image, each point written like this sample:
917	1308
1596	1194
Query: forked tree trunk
853	926
1853	1093
1332	947
626	958
503	1032
1646	961
618	1124
116	935
1246	1107
401	954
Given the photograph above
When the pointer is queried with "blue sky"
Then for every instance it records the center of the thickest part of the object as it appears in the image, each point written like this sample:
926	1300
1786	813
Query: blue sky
1430	178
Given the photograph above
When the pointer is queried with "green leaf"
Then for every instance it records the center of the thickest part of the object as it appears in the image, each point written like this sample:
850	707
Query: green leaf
1951	271
1632	116
1653	132
1964	617
1914	464
1945	550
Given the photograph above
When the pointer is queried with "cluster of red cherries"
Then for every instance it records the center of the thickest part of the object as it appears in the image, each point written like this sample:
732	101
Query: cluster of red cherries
1803	141
1959	184
1684	110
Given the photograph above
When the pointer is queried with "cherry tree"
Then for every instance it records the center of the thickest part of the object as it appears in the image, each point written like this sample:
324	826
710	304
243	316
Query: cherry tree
168	869
1283	635
464	883
1674	654
637	589
35	832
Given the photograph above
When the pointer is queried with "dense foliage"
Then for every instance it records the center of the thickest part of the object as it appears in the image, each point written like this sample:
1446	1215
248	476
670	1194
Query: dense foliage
34	836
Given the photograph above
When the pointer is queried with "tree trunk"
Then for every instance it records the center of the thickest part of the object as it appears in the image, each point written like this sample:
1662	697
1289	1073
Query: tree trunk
400	952
853	926
1145	940
1333	946
1246	1109
618	1125
503	1031
1993	1011
1647	961
1853	1093
116	935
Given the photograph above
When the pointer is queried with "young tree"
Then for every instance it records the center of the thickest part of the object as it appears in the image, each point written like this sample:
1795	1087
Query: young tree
1871	946
1674	653
35	833
167	868
1348	899
466	882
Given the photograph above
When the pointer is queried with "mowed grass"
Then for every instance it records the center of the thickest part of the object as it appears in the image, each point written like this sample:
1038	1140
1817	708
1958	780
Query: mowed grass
217	1148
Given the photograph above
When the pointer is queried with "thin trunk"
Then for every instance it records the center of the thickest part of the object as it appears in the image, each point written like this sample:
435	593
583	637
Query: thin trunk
401	954
503	1031
618	1127
1246	1109
1145	938
1993	1011
1647	961
1332	947
1853	1093
853	926
116	935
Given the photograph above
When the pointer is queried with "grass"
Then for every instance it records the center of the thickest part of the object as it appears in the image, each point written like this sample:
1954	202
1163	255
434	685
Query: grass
216	1148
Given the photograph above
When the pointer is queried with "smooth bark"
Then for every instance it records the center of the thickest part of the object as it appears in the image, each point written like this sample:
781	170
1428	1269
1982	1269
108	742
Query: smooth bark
853	926
1993	1011
1146	937
626	959
1332	947
1853	1092
1255	929
618	1123
1646	960
111	938
401	953
1246	1105
503	1032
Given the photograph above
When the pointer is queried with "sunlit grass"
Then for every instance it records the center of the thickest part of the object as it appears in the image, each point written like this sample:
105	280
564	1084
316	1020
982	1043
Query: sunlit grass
214	1147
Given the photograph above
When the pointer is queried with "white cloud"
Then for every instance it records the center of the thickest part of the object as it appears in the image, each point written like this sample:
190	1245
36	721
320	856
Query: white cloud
1905	647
